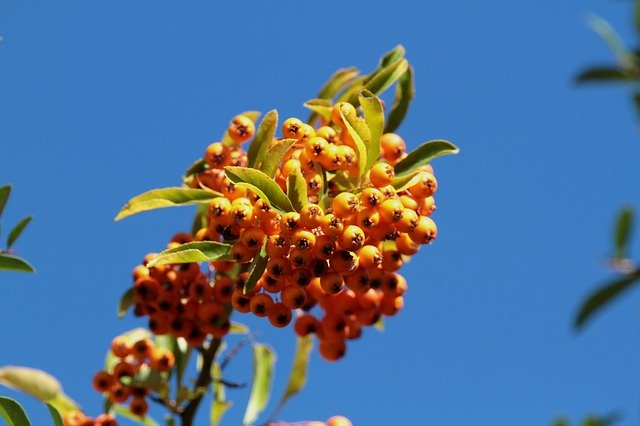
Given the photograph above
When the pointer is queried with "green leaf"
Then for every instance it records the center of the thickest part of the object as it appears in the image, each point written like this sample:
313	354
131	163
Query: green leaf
262	185
55	415
9	262
125	302
165	197
360	134
182	353
148	378
321	107
603	75
298	373
297	190
220	404
380	80
423	155
374	118
198	166
238	328
31	381
262	141
405	91
270	163
252	115
405	181
624	227
263	362
13	413
17	230
379	325
126	412
392	56
197	251
610	36
256	269
5	191
337	81
604	295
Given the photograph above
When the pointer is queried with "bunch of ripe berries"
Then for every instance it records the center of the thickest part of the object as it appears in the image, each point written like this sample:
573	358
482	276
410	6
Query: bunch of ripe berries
342	258
131	359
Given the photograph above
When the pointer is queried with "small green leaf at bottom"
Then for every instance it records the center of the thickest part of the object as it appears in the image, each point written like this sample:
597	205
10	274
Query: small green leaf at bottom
13	413
9	262
263	361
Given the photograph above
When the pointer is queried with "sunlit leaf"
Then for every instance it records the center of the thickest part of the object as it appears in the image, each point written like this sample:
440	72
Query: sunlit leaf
238	328
270	163
603	296
336	82
299	369
261	142
406	181
252	115
55	415
13	413
9	262
261	184
220	404
609	35
392	56
34	382
360	134
5	191
381	80
405	91
297	190
263	362
126	412
379	325
374	118
422	155
256	269
125	302
165	197
17	230
196	251
603	75
321	107
624	228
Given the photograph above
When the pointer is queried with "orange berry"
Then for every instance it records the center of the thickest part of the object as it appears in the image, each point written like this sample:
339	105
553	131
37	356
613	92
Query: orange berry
139	406
162	359
293	296
280	315
120	347
278	267
306	324
427	206
406	246
261	305
142	349
289	223
338	421
425	232
270	284
303	240
241	128
369	257
241	253
252	237
426	186
300	276
331	282
311	216
324	247
381	175
332	350
240	301
332	225
119	393
293	128
390	304
223	289
409	221
328	133
301	258
242	215
391	211
391	260
392	146
343	262
103	381
347	109
371	197
345	204
278	245
352	238
217	155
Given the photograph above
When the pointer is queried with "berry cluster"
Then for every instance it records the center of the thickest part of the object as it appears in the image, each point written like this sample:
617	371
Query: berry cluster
117	383
342	257
180	300
78	418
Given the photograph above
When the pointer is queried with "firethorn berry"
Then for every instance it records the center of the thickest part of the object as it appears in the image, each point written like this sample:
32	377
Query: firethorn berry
119	393
390	304
223	289
332	225
392	146
309	132
332	350
120	347
211	313
409	221
406	246
300	276
327	133
241	253
352	238
381	175
316	148
311	216
103	381
142	349
139	406
338	421
240	301
388	191
261	305
426	186
358	281
162	359
301	258
278	267
369	257
280	315
346	108
270	284
105	420
242	215
425	232
306	324
332	282
314	181
303	240
290	167
427	206
345	204
324	247
278	245
159	324
289	223
217	155
368	218
241	128
391	260
293	296
343	261
293	128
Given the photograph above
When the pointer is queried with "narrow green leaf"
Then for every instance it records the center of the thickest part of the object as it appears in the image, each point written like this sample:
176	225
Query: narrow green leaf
354	87
604	75
198	166
252	115
337	81
17	230
182	353
609	35
422	155
624	228
220	404
13	413
270	163
126	412
263	362
238	328
125	302
256	269
262	141
392	56
164	197
63	403
604	295
197	251
374	118
360	134
5	191
55	415
405	181
297	190
321	107
258	182
31	381
405	91
380	80
298	373
9	262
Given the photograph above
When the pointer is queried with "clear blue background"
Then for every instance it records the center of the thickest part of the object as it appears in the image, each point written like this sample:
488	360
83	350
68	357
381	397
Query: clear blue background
100	101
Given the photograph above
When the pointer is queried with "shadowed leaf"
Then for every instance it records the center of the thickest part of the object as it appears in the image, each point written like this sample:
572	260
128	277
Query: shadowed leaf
164	197
624	228
405	91
17	230
321	107
13	413
256	269
270	163
603	75
198	166
374	118
360	134
263	361
125	302
299	369
55	415
297	190
220	404
9	262
261	142
422	155
5	191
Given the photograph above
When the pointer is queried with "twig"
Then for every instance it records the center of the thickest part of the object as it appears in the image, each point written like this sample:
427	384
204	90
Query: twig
237	348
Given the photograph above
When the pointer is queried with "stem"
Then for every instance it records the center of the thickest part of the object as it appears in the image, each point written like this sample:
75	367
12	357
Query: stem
203	381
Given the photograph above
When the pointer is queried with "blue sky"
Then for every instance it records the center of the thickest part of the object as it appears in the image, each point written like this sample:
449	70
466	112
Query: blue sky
101	101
